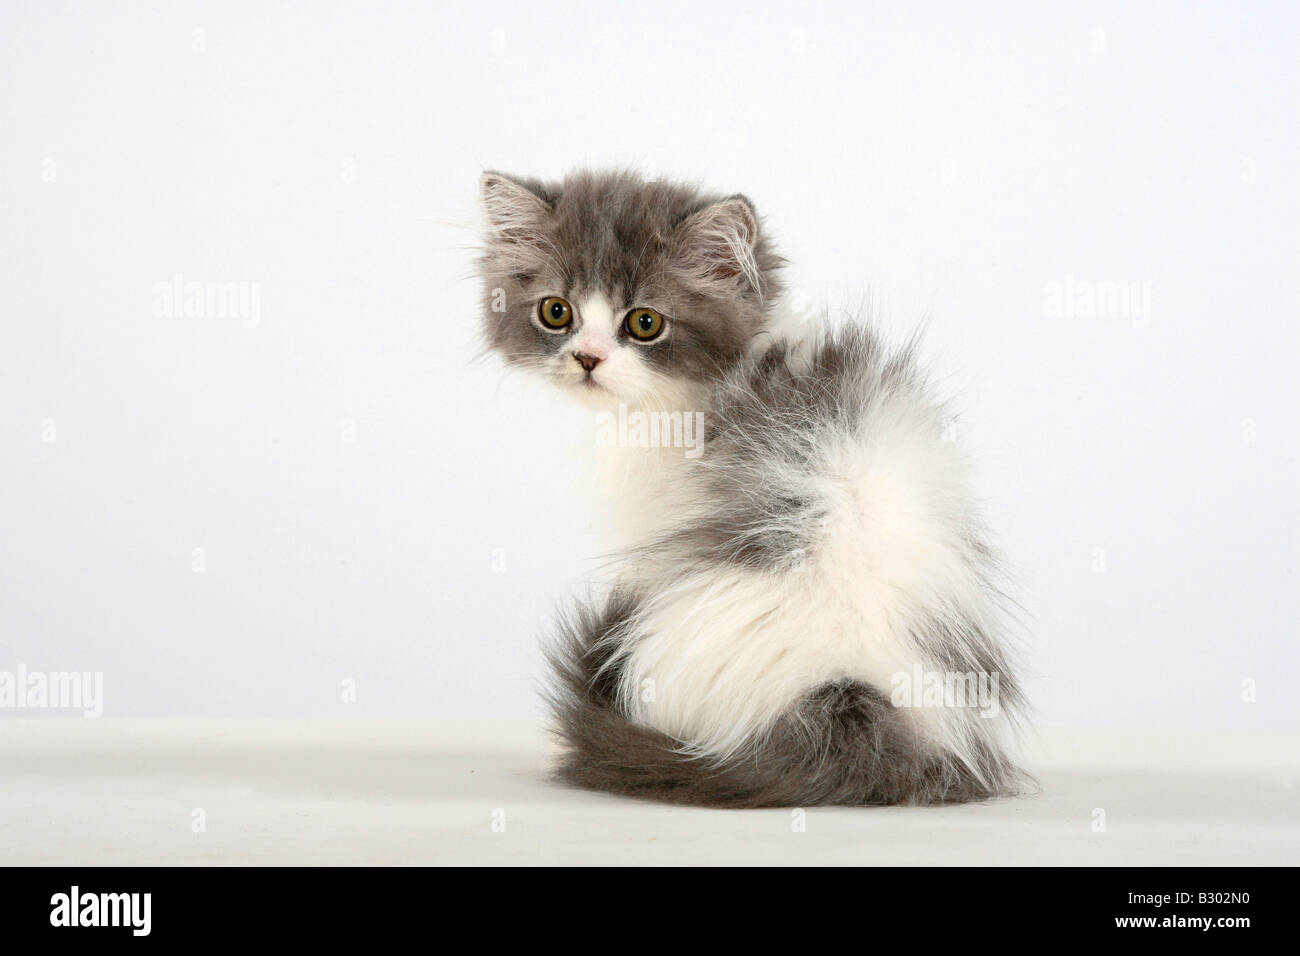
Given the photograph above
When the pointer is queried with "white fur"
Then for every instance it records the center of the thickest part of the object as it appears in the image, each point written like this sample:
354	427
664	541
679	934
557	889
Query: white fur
716	655
597	332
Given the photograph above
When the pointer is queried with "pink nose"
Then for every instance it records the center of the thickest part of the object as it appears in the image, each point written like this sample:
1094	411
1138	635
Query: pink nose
586	361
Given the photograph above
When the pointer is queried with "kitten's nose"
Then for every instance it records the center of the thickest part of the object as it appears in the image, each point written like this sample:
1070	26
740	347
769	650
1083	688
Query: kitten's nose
586	361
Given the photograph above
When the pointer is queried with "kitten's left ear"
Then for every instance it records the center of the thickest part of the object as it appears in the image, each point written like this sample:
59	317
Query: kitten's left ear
515	210
717	247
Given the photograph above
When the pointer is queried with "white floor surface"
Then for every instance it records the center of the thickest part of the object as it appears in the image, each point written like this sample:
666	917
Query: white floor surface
227	792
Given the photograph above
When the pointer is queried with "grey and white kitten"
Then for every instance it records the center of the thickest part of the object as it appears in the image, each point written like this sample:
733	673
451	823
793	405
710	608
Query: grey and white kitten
804	613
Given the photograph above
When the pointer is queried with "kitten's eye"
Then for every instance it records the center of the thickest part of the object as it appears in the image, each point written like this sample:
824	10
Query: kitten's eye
644	325
554	313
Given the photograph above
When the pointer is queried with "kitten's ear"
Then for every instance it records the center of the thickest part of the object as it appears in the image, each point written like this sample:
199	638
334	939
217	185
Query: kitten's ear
717	247
514	210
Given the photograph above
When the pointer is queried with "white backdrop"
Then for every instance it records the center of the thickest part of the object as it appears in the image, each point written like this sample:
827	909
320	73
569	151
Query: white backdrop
234	513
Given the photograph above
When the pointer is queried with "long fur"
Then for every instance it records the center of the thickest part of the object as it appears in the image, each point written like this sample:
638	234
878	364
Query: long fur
825	545
780	606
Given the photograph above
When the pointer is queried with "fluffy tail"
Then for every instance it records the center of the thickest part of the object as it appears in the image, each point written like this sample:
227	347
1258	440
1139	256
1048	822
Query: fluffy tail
844	743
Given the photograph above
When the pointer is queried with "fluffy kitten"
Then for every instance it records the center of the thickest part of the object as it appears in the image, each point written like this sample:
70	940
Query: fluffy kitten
805	612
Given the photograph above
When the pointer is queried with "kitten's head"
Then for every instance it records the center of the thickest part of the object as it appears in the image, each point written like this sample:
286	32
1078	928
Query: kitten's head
621	289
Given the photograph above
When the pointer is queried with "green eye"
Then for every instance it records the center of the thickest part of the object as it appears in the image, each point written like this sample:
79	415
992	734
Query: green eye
644	324
554	313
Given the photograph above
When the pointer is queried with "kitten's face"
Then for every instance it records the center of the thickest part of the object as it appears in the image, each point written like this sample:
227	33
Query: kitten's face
621	290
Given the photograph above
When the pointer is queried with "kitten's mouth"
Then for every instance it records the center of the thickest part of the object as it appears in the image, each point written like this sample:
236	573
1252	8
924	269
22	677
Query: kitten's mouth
588	386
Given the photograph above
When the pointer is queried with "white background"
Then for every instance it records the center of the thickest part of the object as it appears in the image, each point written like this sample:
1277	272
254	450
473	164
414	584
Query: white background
962	164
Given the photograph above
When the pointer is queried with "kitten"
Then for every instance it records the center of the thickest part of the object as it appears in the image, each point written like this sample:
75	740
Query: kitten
806	611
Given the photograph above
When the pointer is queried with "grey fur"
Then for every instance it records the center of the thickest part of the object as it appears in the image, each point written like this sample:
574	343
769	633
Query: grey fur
771	409
620	235
844	742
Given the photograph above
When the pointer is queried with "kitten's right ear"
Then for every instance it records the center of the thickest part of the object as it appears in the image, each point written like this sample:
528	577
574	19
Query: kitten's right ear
514	210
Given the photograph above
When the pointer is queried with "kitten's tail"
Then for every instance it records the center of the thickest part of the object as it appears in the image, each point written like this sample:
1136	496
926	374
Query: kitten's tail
843	744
